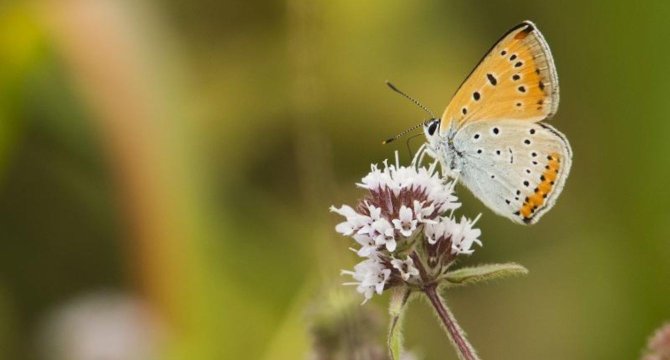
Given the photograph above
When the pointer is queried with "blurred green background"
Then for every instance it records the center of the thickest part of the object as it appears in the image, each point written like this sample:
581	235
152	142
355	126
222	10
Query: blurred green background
185	153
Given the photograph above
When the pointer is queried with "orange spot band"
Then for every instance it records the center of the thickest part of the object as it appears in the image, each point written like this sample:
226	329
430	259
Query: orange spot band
544	188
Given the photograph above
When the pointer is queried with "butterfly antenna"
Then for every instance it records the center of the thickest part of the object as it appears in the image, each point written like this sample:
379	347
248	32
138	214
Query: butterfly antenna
415	101
402	133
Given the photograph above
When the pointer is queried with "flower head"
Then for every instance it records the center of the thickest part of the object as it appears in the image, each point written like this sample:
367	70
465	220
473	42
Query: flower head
102	325
658	347
463	236
370	275
404	223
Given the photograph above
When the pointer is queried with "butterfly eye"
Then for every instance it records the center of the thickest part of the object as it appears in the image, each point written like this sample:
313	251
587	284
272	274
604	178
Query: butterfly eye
432	126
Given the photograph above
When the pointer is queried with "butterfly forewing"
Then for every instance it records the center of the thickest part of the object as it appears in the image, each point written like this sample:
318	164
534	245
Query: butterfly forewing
516	79
516	168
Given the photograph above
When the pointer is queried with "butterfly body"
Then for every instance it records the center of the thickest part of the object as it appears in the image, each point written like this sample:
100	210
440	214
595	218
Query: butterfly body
491	135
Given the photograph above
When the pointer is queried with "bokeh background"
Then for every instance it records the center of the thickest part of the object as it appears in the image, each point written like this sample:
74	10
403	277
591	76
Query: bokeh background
166	169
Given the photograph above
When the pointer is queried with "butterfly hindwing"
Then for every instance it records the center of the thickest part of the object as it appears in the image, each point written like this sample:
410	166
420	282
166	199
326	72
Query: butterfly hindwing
516	168
516	79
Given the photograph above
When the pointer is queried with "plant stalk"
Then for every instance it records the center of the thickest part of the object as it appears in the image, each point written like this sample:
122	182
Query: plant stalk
399	299
454	332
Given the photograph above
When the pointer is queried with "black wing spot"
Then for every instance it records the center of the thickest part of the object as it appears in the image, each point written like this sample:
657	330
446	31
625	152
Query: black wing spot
492	79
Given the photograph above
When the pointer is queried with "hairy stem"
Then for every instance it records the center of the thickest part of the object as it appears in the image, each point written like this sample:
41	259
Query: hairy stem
399	299
454	332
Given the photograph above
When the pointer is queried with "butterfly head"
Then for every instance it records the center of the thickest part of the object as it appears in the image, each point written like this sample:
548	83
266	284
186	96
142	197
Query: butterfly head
440	146
431	127
434	137
434	143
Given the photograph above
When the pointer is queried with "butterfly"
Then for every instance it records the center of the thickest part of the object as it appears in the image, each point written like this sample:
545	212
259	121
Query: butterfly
492	136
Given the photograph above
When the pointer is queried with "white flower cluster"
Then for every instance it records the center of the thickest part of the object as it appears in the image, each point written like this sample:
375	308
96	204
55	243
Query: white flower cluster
370	275
462	234
403	205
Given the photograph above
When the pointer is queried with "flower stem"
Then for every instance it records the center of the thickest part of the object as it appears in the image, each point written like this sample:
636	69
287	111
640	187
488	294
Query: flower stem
399	299
454	332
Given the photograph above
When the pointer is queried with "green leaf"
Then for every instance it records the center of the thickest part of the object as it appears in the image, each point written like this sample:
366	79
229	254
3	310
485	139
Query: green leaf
472	275
399	298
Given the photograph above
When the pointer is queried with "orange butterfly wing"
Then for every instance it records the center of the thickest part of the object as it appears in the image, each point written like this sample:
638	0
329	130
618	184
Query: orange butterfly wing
516	80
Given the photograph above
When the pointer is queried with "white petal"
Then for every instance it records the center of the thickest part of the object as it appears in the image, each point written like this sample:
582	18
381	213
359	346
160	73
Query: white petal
366	251
344	228
375	212
346	211
363	239
405	214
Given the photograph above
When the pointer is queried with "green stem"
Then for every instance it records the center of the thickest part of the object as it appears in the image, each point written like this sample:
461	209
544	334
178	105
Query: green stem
399	299
454	332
